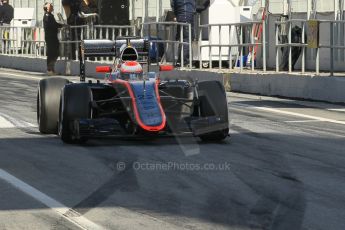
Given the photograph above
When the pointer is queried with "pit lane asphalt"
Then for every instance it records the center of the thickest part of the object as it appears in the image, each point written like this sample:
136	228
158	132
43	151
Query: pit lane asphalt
277	171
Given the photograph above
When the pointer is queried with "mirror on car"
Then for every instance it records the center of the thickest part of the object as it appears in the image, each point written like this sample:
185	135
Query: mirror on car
103	69
166	67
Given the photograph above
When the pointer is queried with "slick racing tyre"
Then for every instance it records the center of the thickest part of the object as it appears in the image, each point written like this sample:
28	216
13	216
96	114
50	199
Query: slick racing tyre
74	104
213	102
48	100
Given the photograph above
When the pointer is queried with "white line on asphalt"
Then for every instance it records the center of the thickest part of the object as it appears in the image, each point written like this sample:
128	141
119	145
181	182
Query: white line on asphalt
15	122
4	123
26	77
302	121
20	76
65	212
337	110
292	114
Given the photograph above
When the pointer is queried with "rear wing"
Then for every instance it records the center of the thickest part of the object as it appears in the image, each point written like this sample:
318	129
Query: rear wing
123	48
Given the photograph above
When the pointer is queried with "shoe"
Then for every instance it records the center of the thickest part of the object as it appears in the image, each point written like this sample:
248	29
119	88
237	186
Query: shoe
185	65
188	66
50	73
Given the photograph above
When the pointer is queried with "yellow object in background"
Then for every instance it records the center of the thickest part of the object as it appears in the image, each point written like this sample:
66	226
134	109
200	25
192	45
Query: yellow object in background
6	35
313	34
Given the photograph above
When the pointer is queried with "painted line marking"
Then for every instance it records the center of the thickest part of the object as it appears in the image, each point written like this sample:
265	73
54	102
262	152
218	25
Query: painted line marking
4	75
5	124
65	212
302	121
337	110
267	109
14	122
26	77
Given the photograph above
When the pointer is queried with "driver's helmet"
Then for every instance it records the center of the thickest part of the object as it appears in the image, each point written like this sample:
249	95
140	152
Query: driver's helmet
131	70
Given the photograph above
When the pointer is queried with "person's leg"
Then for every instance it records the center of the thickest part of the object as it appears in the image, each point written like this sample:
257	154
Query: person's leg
183	18
50	64
74	36
178	35
284	62
185	46
52	55
186	37
49	56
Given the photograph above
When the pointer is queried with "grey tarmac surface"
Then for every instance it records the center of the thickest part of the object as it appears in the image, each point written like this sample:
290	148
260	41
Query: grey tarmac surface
282	168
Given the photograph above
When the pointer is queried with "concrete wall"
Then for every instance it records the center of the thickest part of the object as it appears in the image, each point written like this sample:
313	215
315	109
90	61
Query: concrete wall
39	65
330	89
72	68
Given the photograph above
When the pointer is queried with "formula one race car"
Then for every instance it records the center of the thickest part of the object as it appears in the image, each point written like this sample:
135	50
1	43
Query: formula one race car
131	101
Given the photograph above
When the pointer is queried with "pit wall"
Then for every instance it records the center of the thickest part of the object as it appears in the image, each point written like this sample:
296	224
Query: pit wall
308	87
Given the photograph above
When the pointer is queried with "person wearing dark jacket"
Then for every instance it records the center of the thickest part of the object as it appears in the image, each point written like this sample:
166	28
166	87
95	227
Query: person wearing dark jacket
51	37
202	5
6	16
89	7
72	9
6	13
184	11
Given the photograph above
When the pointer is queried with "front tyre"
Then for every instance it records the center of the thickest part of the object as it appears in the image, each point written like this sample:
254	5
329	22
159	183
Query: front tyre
213	102
75	104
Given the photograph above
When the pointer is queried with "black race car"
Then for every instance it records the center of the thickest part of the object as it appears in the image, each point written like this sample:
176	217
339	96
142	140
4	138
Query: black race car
130	101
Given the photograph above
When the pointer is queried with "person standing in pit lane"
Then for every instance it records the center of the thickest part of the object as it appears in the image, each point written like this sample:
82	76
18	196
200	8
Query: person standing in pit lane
184	11
6	13
6	16
51	37
88	7
72	9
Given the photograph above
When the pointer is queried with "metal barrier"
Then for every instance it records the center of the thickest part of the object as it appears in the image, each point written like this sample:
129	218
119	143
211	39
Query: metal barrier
303	45
30	41
227	45
22	41
167	40
331	46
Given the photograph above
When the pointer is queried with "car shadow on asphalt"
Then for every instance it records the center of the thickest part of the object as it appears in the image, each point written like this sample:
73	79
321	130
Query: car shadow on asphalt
260	191
272	176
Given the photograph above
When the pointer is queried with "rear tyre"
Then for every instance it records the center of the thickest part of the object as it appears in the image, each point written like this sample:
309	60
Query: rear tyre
48	101
213	102
74	105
